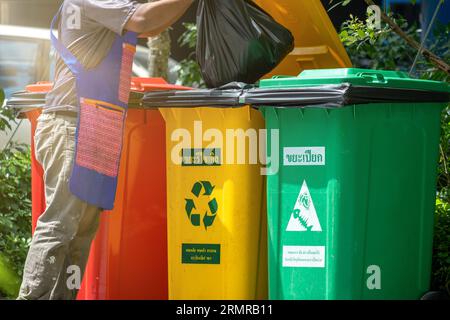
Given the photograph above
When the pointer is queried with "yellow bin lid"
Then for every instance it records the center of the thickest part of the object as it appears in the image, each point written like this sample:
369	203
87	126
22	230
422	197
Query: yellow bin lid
317	44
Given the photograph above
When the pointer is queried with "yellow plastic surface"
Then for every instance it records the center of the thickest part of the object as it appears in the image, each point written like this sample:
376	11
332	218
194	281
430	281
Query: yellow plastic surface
240	224
317	44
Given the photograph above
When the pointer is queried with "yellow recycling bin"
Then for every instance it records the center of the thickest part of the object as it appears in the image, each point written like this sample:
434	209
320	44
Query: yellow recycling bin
217	247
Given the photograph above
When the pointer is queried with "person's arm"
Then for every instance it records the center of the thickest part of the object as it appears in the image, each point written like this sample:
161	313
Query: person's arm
150	19
157	31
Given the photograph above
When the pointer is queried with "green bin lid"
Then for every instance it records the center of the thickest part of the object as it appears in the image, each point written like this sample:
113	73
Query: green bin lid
354	76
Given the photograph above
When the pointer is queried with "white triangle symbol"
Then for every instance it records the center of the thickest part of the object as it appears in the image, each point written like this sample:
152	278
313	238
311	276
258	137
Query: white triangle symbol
304	215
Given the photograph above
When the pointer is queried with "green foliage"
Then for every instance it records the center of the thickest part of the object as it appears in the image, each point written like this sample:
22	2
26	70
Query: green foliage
443	184
15	205
440	46
189	72
9	280
189	37
6	116
378	49
441	250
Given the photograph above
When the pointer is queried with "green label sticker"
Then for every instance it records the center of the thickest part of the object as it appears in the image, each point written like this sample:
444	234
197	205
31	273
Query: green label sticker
201	157
200	253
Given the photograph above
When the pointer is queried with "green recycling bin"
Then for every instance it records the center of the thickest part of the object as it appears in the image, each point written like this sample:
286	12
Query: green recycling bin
351	204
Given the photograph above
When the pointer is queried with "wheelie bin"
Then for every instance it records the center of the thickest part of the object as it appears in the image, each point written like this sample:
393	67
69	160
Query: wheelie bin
351	206
128	258
215	195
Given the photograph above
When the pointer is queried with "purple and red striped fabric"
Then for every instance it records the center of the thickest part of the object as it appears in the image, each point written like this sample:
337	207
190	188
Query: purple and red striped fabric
100	138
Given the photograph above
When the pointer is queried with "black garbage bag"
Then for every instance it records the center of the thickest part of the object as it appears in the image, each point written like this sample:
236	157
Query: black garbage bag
238	41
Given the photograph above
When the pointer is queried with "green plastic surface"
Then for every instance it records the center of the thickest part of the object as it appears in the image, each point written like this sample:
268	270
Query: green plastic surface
351	208
363	77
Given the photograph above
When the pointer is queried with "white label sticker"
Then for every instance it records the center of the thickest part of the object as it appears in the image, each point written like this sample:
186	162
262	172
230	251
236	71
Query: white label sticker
304	156
304	215
304	256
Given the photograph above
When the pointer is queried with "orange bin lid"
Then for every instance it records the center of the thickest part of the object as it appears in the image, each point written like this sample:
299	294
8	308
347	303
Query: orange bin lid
41	86
137	85
153	84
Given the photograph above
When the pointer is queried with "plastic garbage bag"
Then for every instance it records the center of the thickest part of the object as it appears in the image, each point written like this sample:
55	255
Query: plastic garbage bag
227	95
321	96
238	41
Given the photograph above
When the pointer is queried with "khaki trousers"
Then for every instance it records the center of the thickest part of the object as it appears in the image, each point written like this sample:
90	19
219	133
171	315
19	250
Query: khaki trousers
61	242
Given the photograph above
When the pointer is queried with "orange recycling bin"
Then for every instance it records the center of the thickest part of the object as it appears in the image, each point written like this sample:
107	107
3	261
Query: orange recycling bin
128	258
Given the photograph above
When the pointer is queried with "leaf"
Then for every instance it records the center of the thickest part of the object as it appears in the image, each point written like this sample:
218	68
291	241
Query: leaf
344	34
361	33
12	169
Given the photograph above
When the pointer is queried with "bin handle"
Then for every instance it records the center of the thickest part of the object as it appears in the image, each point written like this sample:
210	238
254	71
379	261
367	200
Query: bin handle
372	77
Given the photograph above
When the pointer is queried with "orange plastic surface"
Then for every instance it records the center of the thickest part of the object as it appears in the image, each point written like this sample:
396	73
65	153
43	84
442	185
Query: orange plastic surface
128	258
137	84
37	174
317	45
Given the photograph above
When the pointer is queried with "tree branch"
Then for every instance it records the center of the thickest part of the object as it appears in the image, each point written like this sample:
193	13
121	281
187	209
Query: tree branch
434	59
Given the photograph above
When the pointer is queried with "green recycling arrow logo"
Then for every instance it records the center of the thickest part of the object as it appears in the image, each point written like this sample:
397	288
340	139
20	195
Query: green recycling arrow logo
200	189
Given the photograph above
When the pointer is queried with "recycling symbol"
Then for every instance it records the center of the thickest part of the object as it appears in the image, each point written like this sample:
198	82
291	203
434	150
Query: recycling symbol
202	189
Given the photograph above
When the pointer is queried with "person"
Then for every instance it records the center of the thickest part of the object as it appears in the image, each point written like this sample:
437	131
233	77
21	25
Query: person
79	133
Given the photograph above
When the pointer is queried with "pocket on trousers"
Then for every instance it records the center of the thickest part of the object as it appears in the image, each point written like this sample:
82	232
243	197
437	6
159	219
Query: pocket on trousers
43	140
70	134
